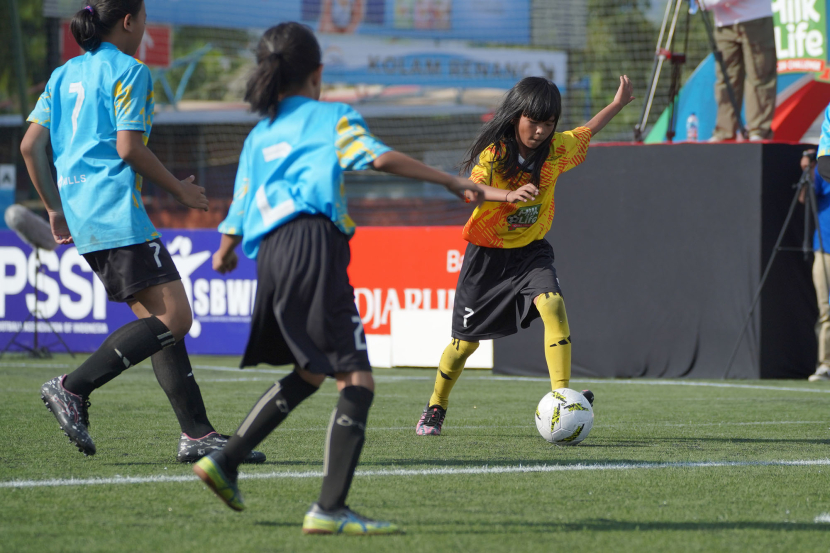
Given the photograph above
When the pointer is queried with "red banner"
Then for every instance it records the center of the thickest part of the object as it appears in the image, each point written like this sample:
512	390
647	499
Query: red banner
403	268
156	48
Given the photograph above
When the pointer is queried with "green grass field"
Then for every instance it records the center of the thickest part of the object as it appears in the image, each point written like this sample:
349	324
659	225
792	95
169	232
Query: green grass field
669	465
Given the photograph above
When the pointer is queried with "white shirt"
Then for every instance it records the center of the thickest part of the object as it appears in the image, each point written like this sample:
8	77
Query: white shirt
730	12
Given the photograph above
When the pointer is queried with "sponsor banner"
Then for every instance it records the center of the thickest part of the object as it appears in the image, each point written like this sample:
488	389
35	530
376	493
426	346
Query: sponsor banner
504	21
801	36
392	268
73	299
360	60
403	268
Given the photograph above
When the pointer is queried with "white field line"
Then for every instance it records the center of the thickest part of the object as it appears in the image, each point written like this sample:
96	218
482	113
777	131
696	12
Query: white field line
823	517
822	390
235	380
389	378
604	381
438	471
656	424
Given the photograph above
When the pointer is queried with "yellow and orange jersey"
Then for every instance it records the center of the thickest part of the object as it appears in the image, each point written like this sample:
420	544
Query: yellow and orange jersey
508	225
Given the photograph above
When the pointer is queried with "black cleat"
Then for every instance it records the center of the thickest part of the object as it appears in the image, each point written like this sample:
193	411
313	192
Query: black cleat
72	413
589	395
193	449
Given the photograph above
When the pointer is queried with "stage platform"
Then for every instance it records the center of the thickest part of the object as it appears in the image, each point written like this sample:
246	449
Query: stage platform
660	249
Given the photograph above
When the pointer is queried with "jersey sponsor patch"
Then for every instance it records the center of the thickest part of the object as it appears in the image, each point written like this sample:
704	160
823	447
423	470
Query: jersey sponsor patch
524	217
277	151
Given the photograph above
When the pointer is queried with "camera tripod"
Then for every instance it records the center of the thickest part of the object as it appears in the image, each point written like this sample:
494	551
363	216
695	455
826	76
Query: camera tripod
664	51
35	350
803	186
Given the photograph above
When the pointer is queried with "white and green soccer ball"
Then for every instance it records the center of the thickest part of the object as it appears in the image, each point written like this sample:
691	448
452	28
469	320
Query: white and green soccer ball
564	417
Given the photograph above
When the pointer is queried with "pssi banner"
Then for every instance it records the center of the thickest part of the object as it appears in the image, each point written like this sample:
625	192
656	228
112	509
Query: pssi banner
392	268
801	36
75	302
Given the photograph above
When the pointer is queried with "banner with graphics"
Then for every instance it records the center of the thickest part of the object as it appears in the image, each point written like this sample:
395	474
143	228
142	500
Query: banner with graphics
73	299
392	268
368	60
503	21
801	36
403	268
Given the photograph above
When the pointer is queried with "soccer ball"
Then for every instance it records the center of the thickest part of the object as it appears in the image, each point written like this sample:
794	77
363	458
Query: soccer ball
564	417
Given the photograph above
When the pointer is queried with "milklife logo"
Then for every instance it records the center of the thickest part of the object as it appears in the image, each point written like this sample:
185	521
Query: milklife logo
523	217
801	36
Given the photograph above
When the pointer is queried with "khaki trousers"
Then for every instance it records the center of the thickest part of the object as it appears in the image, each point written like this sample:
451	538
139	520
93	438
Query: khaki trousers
821	267
749	56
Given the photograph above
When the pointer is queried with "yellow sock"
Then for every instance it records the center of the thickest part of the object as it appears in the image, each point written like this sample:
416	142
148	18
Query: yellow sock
557	338
452	363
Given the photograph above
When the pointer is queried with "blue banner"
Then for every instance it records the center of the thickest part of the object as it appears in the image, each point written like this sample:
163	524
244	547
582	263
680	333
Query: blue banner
73	301
365	60
499	21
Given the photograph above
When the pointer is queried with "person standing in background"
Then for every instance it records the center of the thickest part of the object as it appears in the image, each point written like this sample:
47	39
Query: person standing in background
744	35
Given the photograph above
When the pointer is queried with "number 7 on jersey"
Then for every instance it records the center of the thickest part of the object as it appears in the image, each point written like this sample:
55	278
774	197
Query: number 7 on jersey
76	88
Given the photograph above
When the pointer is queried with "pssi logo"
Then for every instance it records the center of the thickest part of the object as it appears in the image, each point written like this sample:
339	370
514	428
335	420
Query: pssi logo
524	217
67	287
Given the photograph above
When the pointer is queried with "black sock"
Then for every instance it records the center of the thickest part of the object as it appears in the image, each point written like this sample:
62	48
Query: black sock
271	409
127	346
346	434
175	375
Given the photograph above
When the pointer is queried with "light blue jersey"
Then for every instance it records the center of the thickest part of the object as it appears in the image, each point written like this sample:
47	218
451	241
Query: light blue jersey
824	141
86	102
295	165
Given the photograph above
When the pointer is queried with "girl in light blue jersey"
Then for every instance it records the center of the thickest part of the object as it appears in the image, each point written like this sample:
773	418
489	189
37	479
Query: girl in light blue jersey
289	213
96	114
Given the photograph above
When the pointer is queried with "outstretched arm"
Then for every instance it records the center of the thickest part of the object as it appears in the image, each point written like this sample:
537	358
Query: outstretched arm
624	96
405	166
487	193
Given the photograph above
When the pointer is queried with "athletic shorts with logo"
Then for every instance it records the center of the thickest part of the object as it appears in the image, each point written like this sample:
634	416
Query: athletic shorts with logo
304	312
129	269
495	283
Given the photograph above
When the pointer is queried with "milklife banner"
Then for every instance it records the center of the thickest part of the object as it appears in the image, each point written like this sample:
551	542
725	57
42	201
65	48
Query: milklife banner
801	36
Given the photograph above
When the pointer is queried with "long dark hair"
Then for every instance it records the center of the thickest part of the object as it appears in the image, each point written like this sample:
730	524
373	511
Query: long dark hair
92	22
286	55
533	97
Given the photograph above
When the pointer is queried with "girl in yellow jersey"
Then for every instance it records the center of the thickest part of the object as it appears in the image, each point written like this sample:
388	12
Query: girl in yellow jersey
508	264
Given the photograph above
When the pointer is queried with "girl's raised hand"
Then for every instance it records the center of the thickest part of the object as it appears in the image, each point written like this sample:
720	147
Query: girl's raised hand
625	93
525	193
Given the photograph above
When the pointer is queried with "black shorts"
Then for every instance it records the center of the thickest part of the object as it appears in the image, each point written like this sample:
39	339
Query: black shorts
304	311
130	269
494	282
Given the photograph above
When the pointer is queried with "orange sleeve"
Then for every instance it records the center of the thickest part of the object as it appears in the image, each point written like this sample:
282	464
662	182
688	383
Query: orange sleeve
569	148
